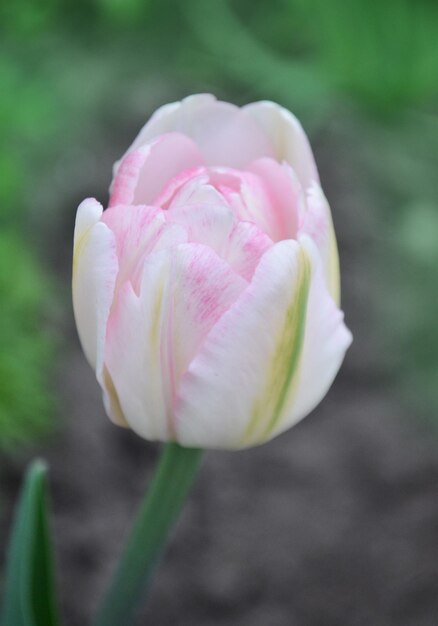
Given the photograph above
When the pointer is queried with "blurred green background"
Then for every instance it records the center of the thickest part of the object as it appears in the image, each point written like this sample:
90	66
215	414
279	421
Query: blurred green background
78	78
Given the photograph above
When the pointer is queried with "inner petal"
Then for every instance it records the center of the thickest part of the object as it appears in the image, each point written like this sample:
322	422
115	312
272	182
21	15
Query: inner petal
246	193
139	230
285	194
143	173
240	244
210	224
246	246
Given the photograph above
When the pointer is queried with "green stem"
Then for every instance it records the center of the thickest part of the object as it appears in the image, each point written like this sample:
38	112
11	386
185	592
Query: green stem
158	513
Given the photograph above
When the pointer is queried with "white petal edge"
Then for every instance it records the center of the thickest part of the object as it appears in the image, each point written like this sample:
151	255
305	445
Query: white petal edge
95	269
225	133
288	137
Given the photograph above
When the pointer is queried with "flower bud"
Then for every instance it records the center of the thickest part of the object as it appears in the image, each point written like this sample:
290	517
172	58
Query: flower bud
207	295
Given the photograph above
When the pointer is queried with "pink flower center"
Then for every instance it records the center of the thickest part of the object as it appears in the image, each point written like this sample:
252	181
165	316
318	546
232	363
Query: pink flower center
245	193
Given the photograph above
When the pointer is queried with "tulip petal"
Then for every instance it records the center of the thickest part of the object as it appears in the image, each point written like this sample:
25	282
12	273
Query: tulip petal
207	224
246	383
288	137
89	213
133	350
246	246
285	192
189	187
95	267
235	388
225	133
144	172
246	194
317	223
153	336
139	231
241	244
325	343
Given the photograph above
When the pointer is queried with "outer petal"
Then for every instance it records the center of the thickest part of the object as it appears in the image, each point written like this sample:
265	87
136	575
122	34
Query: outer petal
288	137
225	134
145	171
325	343
154	335
318	224
237	387
269	360
95	267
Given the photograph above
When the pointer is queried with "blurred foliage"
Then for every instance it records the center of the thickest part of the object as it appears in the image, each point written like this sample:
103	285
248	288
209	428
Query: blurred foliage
382	54
408	259
78	76
26	354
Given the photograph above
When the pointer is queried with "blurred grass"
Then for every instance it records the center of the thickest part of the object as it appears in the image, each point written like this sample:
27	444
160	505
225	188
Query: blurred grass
26	358
77	76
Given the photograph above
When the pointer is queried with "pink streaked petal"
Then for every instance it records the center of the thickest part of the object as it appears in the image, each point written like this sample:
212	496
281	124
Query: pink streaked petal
162	121
316	222
144	173
246	193
139	231
123	186
288	138
258	206
197	192
208	224
179	181
154	335
133	351
285	193
229	378
204	287
280	345
226	178
131	225
246	246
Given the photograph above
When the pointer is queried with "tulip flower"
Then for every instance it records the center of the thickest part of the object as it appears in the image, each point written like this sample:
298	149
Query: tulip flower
206	298
207	295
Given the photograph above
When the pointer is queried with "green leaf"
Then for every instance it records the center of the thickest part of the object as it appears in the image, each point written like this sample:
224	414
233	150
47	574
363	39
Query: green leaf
28	593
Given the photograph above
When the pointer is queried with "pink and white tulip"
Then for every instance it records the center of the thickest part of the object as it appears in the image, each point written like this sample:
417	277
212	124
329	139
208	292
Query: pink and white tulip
207	295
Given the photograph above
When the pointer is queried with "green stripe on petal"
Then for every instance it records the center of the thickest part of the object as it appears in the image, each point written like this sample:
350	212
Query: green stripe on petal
283	369
334	278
